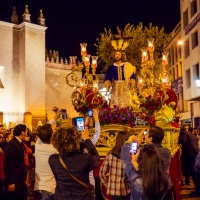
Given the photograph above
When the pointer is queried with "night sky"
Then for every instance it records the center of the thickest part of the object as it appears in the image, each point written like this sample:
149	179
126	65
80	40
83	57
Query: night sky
71	22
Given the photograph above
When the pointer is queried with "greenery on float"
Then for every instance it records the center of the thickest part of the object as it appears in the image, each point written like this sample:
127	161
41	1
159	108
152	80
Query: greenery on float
139	35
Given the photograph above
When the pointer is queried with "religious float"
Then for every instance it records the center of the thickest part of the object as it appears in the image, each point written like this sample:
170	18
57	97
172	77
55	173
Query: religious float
152	102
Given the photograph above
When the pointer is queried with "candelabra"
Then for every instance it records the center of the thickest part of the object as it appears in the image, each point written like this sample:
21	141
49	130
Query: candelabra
85	94
148	82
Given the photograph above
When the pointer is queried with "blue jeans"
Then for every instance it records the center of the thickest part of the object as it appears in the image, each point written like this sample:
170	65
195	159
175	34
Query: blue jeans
44	195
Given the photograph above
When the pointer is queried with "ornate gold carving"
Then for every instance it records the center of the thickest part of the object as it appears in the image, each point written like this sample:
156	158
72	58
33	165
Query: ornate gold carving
108	136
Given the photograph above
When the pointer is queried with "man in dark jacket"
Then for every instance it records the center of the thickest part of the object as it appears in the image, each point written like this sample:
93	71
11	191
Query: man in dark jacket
190	150
14	165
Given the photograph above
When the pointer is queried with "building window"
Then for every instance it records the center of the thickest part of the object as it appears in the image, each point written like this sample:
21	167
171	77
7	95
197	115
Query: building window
173	74
180	101
176	71
169	57
188	78
176	53
179	52
172	55
193	8
186	49
180	69
185	18
196	71
194	39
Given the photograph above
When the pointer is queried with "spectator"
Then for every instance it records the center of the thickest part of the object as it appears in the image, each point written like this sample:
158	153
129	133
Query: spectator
197	169
185	154
154	137
44	179
68	141
1	137
7	137
95	137
2	176
28	150
145	172
33	140
2	129
190	150
197	160
14	165
117	183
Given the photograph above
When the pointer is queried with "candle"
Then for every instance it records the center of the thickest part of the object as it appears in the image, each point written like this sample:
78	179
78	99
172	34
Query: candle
164	82
82	85
144	54
94	62
73	62
87	60
165	58
83	49
140	83
150	45
95	88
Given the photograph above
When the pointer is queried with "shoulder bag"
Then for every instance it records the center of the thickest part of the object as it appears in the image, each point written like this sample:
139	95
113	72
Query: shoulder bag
91	187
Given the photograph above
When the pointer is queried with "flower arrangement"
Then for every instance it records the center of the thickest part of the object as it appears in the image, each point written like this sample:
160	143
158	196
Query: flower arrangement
159	105
161	97
117	115
127	115
91	100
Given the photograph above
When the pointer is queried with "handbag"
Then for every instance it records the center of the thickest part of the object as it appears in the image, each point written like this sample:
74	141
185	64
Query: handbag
90	187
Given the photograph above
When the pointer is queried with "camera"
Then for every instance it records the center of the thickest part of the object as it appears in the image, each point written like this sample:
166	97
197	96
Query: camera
79	123
64	113
134	147
90	114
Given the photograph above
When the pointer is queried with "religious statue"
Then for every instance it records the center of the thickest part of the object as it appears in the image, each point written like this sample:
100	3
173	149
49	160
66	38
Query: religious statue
120	76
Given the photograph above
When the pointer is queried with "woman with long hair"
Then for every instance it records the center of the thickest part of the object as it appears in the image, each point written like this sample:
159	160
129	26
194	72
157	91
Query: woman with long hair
117	183
145	172
68	142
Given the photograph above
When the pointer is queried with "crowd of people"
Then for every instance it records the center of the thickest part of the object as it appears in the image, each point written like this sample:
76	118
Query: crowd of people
58	164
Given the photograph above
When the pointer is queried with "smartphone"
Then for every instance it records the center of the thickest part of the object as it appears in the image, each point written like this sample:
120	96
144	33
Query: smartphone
64	113
134	147
90	114
79	123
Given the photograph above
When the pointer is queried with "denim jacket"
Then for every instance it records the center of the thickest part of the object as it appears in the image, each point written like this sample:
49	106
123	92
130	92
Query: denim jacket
137	192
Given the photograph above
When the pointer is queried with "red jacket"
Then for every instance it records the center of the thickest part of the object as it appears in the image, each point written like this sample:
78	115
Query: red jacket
28	152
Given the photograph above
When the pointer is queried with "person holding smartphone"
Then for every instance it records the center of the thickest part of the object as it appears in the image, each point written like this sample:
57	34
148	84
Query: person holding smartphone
95	115
152	137
68	143
145	172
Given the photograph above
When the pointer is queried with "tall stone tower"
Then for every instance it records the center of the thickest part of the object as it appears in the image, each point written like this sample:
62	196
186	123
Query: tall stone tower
22	70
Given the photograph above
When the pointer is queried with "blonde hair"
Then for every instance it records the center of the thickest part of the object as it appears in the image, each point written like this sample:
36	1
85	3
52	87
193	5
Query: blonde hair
66	140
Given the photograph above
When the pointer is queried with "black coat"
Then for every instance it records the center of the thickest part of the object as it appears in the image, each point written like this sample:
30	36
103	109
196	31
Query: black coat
14	167
79	164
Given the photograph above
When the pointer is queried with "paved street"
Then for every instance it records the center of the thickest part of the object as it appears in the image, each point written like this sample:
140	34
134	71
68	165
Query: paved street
186	189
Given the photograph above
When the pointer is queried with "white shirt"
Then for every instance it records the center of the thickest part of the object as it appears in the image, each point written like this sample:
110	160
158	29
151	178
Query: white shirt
44	178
